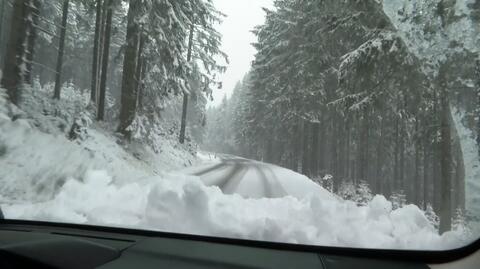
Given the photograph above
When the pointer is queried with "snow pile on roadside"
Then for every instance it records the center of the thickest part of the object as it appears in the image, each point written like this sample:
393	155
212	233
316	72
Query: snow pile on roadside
178	203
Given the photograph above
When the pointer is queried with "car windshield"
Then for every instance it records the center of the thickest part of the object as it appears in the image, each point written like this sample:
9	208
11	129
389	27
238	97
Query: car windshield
315	122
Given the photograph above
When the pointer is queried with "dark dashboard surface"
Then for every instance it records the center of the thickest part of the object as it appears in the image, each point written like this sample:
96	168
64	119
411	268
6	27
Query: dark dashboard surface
54	247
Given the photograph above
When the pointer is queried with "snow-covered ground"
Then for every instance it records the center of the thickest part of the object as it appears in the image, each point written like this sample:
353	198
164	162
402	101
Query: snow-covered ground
47	177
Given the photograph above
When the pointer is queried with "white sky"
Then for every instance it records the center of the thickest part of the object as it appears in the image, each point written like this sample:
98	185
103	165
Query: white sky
242	17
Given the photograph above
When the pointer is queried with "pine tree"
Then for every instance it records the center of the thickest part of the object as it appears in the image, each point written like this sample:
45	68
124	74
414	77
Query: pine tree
398	199
15	71
328	182
347	191
459	222
363	193
96	51
183	123
432	217
131	65
108	8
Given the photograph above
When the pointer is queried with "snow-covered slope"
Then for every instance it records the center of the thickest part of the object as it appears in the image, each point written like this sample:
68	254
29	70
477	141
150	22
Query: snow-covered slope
59	180
36	158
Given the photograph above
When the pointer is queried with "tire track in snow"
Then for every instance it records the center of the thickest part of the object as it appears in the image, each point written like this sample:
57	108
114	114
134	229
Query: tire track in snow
232	181
272	187
210	169
227	182
266	188
236	169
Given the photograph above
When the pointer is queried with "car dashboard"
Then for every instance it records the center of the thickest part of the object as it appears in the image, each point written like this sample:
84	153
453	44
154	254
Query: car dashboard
42	245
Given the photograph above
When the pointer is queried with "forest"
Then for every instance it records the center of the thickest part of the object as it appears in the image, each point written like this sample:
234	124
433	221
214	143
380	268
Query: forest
133	58
361	93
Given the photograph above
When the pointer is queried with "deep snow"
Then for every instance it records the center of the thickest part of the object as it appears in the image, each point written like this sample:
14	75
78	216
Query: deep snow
179	203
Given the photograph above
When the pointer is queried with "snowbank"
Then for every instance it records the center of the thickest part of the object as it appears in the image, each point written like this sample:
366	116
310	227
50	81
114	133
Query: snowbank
178	203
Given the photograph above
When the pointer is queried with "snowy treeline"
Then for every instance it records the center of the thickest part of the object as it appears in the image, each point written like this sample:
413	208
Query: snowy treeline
361	90
148	66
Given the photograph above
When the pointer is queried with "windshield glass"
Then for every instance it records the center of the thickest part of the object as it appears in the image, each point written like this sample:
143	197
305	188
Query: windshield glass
320	122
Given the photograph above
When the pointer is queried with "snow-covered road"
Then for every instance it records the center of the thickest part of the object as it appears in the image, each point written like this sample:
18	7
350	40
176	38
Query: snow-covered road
252	179
248	178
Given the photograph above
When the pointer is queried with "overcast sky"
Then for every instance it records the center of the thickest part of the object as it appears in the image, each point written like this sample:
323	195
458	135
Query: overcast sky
242	17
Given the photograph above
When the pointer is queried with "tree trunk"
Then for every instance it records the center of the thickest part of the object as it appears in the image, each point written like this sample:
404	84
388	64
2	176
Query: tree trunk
296	146
348	132
446	157
459	180
401	166
139	69
436	187
105	58
183	125
364	147
322	145
417	184
396	166
477	75
101	46
340	140
314	149
435	166
141	86
379	188
31	40
333	146
337	149
2	15
61	49
305	148
269	155
96	52
425	173
140	72
354	145
130	71
459	175
15	73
